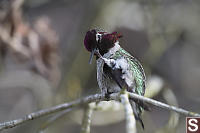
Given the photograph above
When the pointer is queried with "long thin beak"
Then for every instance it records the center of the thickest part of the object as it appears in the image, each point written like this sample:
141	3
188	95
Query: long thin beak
91	55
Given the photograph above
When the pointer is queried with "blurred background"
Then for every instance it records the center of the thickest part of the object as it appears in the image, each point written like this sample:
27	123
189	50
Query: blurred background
43	61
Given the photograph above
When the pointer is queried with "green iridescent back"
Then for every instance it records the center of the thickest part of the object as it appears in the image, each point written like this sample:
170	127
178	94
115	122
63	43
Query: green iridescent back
136	67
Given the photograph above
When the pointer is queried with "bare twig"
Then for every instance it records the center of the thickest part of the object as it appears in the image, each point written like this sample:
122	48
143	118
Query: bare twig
87	119
44	112
130	119
86	100
163	105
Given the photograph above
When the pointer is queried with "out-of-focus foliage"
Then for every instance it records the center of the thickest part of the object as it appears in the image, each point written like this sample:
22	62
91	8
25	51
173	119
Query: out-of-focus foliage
43	61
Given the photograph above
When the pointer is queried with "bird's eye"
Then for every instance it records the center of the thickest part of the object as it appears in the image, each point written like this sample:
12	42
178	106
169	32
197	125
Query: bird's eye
98	38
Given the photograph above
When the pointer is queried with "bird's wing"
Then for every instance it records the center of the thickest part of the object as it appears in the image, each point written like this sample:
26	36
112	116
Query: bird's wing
136	68
139	75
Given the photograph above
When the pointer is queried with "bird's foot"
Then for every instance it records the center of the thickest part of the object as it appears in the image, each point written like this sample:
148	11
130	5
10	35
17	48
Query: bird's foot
106	95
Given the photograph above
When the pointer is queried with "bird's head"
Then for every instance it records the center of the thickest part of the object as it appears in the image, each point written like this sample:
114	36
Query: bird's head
100	40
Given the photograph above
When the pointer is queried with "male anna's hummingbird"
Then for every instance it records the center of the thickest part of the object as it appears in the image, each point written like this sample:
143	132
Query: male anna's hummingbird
116	68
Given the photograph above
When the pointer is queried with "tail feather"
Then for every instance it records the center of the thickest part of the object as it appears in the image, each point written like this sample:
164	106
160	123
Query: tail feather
145	106
141	104
141	122
137	111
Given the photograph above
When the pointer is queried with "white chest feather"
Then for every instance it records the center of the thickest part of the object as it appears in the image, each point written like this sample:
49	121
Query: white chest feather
105	83
127	74
122	65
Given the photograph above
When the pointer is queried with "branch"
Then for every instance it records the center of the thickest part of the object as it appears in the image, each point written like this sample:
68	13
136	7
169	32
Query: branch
130	119
86	100
87	119
48	111
163	105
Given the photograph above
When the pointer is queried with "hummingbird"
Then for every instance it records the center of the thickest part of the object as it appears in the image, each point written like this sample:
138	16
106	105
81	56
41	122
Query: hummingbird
116	68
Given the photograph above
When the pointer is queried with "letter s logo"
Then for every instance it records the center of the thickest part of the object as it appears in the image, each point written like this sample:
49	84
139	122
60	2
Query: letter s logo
192	125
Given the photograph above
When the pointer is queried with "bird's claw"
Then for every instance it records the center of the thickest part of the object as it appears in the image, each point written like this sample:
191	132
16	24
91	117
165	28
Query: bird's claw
109	62
98	54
